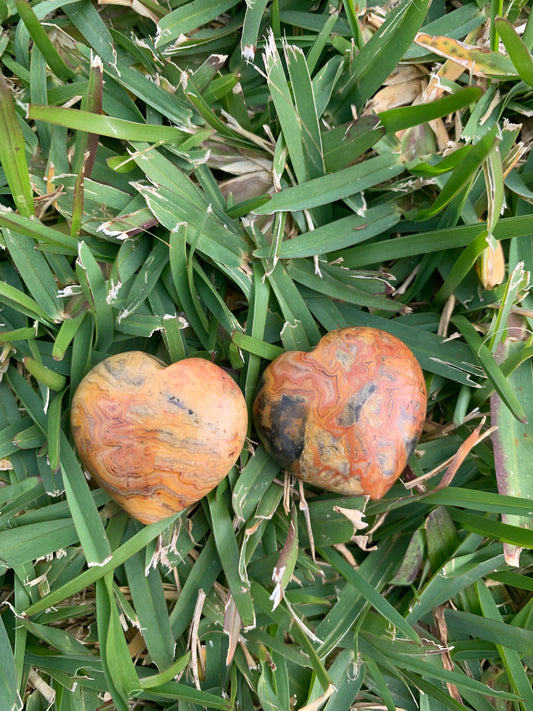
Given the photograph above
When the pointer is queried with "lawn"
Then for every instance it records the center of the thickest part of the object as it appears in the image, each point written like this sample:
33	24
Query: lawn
232	180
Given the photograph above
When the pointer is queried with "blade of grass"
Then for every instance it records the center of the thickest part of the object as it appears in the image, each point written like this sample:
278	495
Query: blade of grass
326	283
293	307
250	29
432	241
364	588
339	234
282	617
424	669
21	302
189	17
9	696
193	698
305	105
54	637
84	512
214	302
81	352
504	532
202	576
92	281
117	664
87	143
49	378
284	568
517	675
463	265
19	334
407	116
65	335
344	144
53	435
46	237
44	43
13	152
169	674
377	568
493	372
92	27
486	501
39	95
475	59
90	576
183	278
285	109
34	270
228	551
503	326
88	122
321	40
24	544
521	640
448	582
255	346
381	54
255	329
149	600
463	174
325	83
147	277
513	447
335	186
10	492
142	87
517	50
251	485
201	104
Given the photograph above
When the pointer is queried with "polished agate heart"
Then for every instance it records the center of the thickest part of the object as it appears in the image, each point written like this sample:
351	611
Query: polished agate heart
158	438
347	416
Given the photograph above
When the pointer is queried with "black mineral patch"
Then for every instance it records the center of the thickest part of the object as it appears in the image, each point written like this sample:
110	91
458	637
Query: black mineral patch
410	445
284	432
352	412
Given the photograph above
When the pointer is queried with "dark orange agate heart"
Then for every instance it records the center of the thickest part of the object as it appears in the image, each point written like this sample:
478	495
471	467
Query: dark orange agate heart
158	438
346	416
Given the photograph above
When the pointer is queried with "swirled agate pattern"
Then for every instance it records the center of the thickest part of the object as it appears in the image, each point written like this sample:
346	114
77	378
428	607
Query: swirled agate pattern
158	438
346	416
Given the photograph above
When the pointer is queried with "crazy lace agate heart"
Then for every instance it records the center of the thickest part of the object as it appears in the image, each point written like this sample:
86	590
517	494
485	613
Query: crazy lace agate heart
158	438
346	416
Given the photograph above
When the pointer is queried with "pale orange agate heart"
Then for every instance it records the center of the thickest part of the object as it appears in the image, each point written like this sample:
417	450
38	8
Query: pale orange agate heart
158	438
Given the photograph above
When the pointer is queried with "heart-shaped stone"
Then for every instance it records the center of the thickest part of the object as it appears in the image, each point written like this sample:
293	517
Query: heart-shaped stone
346	416
158	438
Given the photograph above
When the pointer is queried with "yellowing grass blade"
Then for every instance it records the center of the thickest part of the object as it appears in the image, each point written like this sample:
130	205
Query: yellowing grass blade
481	62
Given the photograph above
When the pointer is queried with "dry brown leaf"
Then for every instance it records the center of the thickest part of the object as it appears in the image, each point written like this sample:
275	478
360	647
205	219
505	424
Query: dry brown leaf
317	703
442	635
453	463
395	95
136	6
232	627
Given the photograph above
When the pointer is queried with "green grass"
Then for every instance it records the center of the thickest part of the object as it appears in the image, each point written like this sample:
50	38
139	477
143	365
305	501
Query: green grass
232	180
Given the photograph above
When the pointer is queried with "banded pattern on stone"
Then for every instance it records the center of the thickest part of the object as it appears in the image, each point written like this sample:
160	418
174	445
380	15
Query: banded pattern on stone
158	438
346	416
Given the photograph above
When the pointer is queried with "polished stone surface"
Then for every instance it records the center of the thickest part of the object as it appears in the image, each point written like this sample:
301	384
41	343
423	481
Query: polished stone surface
158	438
346	416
